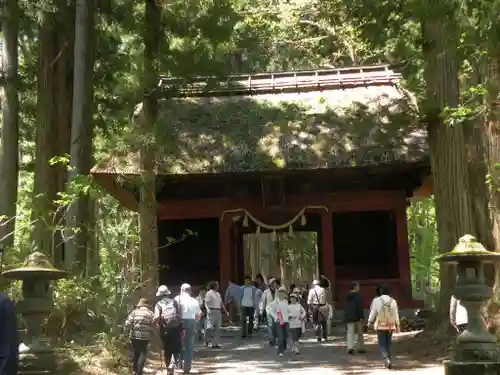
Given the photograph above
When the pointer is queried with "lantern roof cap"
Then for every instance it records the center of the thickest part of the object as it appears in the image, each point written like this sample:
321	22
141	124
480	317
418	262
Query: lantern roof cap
469	249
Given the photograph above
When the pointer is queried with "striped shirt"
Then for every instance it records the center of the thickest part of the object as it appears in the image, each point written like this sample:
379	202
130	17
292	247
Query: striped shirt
139	324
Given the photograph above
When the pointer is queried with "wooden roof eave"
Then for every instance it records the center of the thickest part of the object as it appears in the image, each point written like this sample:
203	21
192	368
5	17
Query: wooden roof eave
109	183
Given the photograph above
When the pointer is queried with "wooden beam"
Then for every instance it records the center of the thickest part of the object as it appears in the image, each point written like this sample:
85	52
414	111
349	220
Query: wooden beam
337	202
108	182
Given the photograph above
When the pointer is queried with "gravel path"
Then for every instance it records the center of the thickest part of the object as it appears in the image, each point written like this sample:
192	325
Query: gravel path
255	356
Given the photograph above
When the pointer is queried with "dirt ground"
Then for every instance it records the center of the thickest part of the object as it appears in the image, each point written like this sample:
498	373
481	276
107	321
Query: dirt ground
415	352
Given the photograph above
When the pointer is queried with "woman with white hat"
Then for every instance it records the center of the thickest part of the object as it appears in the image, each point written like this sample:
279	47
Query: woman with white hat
280	313
139	325
167	315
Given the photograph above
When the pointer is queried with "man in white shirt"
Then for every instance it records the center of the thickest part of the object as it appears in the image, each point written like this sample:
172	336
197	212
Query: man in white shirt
384	319
268	296
458	314
214	305
316	300
247	297
191	312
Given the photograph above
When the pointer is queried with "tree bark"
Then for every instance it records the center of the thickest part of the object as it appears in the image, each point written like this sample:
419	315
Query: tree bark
446	142
54	100
148	204
78	236
9	159
491	134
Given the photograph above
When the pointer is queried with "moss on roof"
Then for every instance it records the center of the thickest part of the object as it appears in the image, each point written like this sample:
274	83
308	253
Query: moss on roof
316	129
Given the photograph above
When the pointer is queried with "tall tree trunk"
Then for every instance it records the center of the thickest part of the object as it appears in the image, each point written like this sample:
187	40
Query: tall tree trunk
491	133
54	100
447	143
9	159
78	236
148	204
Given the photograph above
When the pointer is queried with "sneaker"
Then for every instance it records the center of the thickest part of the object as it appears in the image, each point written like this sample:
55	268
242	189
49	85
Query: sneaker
296	350
388	363
216	347
350	351
281	355
319	339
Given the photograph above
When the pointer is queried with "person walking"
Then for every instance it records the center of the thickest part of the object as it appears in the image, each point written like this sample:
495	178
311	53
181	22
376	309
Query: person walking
168	316
214	305
384	319
247	310
297	317
458	315
317	303
9	338
280	314
190	312
139	326
201	323
354	319
268	296
232	300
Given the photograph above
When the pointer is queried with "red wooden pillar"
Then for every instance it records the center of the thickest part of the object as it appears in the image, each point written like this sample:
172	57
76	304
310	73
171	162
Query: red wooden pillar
225	251
328	260
403	250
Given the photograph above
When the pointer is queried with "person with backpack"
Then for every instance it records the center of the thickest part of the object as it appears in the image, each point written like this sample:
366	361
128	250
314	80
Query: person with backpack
167	315
354	317
139	325
190	313
247	309
384	319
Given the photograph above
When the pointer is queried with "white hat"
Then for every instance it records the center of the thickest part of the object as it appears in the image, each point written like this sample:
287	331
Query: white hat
316	282
163	291
282	289
185	287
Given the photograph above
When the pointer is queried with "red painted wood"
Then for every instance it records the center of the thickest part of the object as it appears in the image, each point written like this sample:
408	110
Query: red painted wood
225	252
403	250
336	202
327	253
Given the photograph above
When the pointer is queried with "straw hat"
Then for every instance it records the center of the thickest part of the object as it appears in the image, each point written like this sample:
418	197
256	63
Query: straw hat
163	291
143	302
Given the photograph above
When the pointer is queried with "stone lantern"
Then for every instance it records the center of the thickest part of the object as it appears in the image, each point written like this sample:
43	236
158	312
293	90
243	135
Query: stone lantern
36	274
477	351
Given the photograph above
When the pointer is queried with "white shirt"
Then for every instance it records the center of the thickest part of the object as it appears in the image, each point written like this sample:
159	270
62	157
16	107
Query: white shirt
317	296
279	306
376	307
458	313
190	308
213	300
266	299
297	314
248	296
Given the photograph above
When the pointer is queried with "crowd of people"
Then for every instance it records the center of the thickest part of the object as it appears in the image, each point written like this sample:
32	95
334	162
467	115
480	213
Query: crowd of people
183	319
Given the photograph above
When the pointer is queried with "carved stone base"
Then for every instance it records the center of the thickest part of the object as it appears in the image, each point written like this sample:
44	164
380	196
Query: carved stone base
477	352
37	363
471	368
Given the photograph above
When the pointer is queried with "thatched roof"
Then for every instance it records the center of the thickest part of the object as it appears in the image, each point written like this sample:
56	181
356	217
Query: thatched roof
335	120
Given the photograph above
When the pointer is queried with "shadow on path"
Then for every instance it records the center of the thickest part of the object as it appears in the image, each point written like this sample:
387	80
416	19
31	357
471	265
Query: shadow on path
255	356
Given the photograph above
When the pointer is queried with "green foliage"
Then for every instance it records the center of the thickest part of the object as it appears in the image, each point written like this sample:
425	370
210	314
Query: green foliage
424	247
